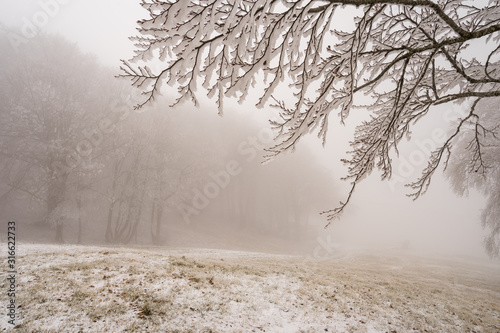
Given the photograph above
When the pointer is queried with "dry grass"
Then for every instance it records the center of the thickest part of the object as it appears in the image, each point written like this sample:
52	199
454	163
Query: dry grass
77	289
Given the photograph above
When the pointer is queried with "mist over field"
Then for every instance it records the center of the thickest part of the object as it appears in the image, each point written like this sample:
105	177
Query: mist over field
180	218
281	199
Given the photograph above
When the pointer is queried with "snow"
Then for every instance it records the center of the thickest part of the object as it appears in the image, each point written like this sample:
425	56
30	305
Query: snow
104	289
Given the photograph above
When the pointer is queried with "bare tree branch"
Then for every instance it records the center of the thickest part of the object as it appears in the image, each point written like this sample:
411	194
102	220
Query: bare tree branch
407	56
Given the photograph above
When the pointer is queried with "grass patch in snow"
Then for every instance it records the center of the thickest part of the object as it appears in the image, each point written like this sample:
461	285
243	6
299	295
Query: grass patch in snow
72	289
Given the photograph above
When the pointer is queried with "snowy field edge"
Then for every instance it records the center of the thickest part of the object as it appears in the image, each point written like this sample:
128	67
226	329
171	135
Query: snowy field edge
71	288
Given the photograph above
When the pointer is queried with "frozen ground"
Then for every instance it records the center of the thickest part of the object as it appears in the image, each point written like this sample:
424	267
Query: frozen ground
113	289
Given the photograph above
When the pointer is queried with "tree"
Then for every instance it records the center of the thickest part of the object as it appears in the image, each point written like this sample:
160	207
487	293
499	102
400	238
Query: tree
479	157
153	163
177	157
50	100
397	59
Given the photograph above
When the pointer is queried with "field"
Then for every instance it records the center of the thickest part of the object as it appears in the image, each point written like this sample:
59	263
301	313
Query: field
116	289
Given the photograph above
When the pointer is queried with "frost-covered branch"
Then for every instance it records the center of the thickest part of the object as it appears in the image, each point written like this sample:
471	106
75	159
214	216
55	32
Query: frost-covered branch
407	56
423	183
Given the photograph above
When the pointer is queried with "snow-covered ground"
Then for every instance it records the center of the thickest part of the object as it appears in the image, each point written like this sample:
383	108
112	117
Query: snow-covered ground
115	289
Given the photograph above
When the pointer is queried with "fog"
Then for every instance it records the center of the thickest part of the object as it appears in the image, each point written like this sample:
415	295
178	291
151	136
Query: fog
79	165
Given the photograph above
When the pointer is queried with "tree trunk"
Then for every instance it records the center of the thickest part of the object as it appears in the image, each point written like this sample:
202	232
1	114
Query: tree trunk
108	236
59	233
79	240
152	220
79	205
54	199
55	196
159	213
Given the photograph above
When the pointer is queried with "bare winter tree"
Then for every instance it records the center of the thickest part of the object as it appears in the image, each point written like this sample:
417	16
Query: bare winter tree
477	165
48	104
398	59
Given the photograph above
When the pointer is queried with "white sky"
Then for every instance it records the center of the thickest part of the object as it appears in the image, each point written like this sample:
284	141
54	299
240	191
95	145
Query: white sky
440	218
99	27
